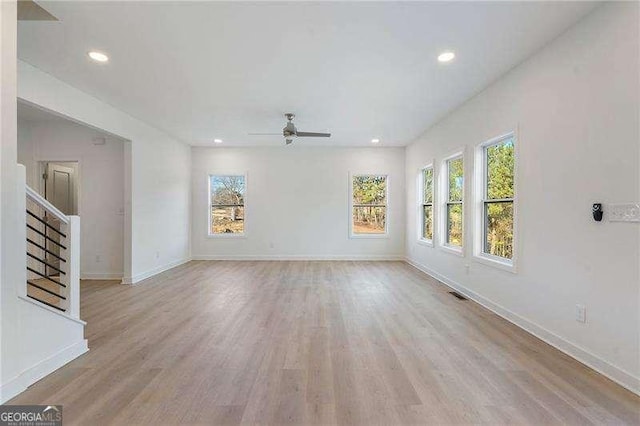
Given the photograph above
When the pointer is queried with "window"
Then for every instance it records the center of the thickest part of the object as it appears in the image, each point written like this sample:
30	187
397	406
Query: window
369	205
426	196
497	199
226	205
454	202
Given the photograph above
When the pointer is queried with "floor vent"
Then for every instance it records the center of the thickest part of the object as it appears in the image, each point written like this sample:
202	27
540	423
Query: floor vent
457	295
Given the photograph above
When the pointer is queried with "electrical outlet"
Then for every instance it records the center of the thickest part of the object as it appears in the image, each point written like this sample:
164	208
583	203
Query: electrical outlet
97	258
157	255
624	212
581	313
466	269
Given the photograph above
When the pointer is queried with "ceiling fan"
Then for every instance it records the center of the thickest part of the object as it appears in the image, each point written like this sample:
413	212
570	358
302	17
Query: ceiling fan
290	132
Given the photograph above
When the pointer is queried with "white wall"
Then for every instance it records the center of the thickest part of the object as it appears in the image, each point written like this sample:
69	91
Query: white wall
159	172
576	109
9	306
34	340
100	186
297	202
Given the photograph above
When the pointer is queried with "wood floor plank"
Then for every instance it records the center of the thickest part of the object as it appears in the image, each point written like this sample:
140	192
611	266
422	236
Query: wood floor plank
322	343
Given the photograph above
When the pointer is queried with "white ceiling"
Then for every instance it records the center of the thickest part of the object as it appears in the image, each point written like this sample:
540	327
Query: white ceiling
205	70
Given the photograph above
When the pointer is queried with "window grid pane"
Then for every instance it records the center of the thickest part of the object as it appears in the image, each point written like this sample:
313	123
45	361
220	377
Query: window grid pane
369	220
427	185
455	171
499	163
427	221
369	190
498	229
454	224
227	220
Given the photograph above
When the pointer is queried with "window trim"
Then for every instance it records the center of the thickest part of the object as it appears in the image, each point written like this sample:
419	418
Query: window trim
241	235
350	198
444	202
421	204
480	188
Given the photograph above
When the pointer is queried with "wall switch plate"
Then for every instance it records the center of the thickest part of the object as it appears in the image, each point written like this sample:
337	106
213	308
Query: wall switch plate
581	313
628	212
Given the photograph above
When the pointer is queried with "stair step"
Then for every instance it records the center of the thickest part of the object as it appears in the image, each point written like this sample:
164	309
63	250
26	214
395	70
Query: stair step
41	295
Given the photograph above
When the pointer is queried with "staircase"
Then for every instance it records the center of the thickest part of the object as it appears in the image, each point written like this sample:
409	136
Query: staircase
42	329
52	258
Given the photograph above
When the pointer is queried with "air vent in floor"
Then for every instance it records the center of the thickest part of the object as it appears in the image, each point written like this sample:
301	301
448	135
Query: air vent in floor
457	295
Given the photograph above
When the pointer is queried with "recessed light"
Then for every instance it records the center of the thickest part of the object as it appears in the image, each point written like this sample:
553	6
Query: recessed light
217	141
375	140
446	56
98	56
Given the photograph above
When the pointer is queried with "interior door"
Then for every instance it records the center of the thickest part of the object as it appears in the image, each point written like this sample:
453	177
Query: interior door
60	184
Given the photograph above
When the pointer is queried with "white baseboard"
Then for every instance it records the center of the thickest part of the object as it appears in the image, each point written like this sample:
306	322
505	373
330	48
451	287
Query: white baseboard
32	374
100	276
623	378
300	257
143	276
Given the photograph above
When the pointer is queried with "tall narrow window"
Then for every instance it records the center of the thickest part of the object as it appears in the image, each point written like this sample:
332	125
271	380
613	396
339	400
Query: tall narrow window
226	205
369	205
427	203
454	205
497	199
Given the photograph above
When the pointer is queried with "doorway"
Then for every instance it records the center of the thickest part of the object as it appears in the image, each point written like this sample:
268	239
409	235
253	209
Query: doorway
59	186
87	174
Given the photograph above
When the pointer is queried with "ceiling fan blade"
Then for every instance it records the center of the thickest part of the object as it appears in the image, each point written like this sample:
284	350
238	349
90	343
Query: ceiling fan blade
265	134
312	135
31	11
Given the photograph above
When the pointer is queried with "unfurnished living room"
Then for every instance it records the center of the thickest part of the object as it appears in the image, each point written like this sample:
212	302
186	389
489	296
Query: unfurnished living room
323	212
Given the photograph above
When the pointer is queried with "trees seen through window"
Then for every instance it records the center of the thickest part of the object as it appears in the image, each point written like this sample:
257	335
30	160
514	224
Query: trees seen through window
369	204
455	200
427	203
227	195
498	198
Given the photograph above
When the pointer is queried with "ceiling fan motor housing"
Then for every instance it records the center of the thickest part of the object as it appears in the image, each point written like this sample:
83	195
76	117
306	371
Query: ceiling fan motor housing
289	130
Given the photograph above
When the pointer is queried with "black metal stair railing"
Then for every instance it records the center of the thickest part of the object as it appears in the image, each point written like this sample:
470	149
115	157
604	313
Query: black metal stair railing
46	248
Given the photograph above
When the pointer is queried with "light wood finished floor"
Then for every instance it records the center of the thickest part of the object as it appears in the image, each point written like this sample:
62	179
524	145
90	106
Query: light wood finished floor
314	343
